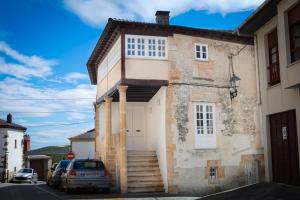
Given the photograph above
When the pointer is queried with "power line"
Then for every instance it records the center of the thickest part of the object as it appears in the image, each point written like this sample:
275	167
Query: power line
30	99
62	111
64	124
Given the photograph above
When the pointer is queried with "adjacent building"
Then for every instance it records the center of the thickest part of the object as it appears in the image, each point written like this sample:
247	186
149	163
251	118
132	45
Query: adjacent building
11	147
275	27
83	145
170	115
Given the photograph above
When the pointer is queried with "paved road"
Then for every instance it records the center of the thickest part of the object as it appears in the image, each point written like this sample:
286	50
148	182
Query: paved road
40	191
9	191
261	191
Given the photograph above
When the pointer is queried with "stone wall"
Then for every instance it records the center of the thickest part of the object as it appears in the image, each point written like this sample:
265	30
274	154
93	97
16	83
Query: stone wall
237	129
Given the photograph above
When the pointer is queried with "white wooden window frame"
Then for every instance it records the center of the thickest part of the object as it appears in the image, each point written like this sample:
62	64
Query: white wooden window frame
201	52
205	140
146	55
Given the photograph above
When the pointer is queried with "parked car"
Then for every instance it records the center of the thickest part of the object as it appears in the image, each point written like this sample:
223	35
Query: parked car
50	173
85	173
55	179
26	175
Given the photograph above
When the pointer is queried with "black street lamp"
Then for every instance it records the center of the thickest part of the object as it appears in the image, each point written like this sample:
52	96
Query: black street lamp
234	79
234	84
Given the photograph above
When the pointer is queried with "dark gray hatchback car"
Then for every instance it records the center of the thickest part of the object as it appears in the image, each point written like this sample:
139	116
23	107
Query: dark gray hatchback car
85	174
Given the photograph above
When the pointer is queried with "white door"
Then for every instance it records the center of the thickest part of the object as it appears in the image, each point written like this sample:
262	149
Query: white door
135	130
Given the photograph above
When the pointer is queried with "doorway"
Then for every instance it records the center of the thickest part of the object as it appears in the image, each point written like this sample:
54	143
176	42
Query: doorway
284	147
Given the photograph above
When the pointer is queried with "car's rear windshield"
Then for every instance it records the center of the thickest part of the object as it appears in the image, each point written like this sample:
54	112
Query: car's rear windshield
64	164
25	171
93	165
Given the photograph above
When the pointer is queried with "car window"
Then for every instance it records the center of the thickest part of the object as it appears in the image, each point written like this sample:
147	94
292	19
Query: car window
63	164
94	165
25	171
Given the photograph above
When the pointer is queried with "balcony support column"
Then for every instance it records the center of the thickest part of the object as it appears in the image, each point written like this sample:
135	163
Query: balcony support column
122	140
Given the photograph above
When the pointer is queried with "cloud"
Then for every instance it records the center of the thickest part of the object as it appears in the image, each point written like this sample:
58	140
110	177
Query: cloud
75	77
11	88
24	67
96	12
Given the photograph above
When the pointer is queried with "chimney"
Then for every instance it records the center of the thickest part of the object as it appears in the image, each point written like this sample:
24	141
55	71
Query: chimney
9	118
162	17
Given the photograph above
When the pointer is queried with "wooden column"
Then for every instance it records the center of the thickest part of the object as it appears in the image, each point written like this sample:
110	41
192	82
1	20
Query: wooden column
108	125
122	143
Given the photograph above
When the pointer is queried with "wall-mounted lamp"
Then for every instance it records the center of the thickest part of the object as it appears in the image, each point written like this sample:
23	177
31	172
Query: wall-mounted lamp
234	79
234	84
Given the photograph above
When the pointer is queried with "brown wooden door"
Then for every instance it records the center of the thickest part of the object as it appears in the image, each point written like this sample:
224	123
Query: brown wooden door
284	147
38	166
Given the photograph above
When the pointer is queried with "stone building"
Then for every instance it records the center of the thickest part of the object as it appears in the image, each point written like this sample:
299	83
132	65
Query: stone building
275	27
168	118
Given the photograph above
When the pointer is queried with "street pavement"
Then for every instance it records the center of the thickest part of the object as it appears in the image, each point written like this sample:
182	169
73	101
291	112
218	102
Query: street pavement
40	191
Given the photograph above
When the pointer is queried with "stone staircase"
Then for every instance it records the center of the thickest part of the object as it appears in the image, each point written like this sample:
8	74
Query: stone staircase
143	172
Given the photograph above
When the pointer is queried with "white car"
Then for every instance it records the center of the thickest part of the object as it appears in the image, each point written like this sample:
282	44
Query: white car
26	175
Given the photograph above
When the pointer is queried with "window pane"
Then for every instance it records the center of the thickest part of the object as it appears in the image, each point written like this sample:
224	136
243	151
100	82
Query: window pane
197	48
203	48
198	55
204	55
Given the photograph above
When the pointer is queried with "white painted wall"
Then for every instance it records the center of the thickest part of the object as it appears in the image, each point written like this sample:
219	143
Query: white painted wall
113	56
83	149
15	155
155	133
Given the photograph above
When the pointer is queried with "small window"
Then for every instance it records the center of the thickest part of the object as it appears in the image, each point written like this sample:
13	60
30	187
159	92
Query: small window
15	144
213	172
201	52
274	71
294	28
131	46
152	47
205	136
161	48
141	47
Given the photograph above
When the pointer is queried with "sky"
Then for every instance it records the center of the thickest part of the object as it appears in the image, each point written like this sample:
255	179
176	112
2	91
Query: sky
45	44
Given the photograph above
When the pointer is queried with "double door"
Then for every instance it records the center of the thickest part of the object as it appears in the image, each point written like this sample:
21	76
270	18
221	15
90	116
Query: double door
135	127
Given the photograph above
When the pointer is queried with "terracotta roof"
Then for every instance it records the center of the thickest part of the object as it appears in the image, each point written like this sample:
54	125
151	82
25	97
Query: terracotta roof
89	135
115	27
5	124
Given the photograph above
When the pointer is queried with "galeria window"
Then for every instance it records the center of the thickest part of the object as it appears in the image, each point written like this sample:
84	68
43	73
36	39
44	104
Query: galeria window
201	52
146	47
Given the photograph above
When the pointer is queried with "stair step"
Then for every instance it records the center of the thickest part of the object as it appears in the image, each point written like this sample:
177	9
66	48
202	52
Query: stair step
146	189
142	174
147	170
142	164
145	184
141	159
141	153
143	168
144	178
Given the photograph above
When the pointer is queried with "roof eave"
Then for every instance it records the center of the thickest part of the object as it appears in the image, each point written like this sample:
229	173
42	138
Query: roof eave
261	16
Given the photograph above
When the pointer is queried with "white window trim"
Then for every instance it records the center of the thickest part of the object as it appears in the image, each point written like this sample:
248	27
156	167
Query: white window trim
209	141
195	52
156	57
